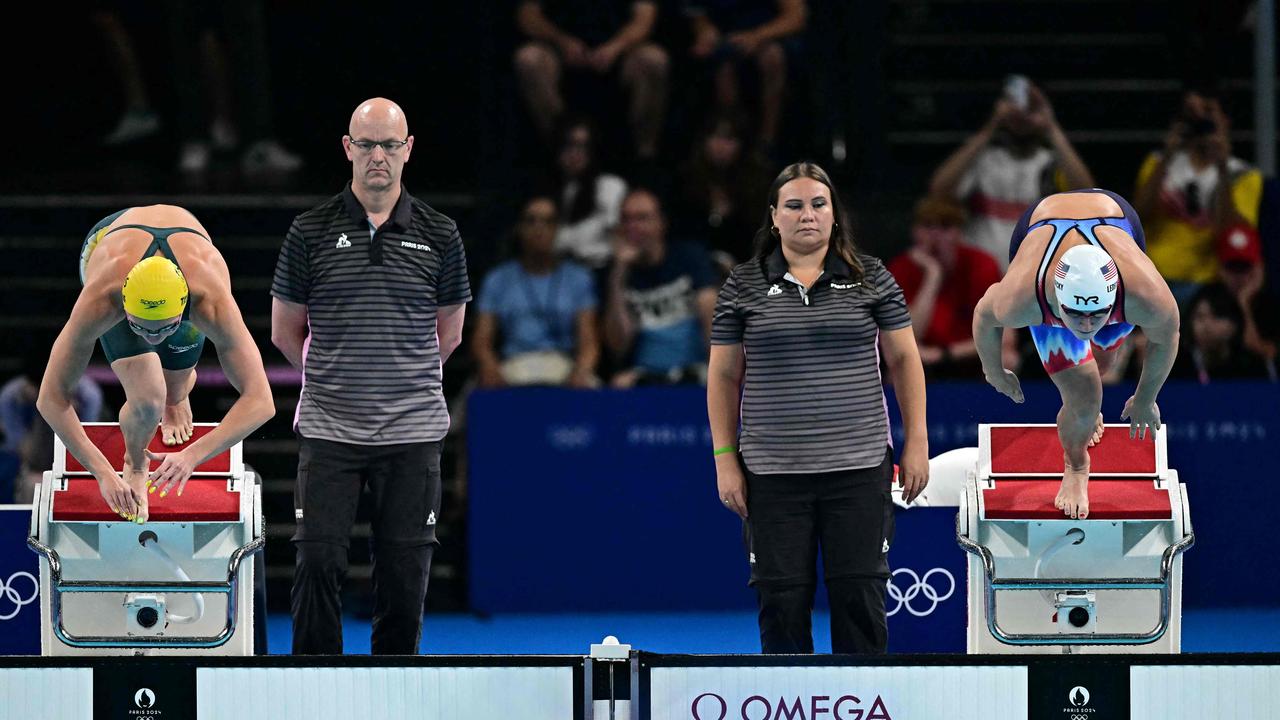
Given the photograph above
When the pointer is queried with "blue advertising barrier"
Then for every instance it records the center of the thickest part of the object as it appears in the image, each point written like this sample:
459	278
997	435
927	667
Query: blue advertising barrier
605	500
926	599
19	584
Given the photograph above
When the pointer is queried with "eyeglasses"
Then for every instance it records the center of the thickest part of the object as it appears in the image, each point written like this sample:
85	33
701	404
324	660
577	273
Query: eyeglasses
390	147
159	332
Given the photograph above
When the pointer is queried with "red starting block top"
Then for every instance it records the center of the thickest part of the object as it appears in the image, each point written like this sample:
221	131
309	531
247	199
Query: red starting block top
1037	450
110	441
1016	498
202	500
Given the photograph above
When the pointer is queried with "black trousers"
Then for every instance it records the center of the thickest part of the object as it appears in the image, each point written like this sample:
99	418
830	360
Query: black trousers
849	515
404	484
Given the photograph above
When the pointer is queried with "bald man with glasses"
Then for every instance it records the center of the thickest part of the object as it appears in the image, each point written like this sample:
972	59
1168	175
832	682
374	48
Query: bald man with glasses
368	302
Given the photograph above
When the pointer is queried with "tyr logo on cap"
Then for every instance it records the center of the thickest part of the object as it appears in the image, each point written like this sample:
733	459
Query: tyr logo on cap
1085	300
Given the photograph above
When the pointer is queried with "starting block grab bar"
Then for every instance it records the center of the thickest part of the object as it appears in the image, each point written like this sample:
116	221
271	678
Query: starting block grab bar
995	584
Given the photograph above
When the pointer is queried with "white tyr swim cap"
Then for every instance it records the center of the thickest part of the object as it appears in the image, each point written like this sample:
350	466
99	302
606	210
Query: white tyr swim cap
1086	279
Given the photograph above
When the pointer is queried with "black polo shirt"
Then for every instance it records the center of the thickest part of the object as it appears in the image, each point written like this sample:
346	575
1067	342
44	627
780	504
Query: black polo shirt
812	398
371	362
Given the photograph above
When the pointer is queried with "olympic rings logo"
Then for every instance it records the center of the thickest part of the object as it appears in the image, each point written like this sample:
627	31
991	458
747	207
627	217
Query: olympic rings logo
11	594
919	586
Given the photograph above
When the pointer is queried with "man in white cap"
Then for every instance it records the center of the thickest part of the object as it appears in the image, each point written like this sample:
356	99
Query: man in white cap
1079	278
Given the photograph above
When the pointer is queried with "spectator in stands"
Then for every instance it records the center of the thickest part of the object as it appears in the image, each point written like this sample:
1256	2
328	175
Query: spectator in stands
590	200
139	119
943	280
1240	269
659	299
238	77
721	185
1191	191
595	37
21	422
1019	156
541	309
1213	341
731	35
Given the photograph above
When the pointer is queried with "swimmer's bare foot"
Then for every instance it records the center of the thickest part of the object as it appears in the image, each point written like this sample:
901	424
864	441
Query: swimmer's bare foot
1073	496
176	427
1098	429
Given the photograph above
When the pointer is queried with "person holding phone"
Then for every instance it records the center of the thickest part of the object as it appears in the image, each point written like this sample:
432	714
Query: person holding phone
1193	191
1019	155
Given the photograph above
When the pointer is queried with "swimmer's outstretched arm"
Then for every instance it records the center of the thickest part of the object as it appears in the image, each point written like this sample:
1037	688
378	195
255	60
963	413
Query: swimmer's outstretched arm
93	315
1162	348
988	338
220	319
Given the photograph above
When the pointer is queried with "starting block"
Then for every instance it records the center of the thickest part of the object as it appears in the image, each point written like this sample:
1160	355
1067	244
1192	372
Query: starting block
176	584
1109	583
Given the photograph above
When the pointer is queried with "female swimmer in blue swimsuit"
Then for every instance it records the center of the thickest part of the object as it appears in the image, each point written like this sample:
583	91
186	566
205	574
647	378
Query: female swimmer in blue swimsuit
1080	279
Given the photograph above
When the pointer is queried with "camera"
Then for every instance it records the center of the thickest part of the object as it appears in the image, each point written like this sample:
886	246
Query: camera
1077	611
1199	127
1197	124
145	614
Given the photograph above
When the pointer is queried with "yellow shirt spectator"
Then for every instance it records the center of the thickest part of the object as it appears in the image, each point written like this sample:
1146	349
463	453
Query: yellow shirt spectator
1181	232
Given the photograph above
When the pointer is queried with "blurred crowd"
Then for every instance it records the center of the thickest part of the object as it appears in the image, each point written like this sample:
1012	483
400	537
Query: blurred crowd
609	272
612	276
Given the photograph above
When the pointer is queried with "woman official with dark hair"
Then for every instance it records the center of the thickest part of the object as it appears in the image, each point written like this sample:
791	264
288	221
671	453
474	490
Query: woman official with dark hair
795	354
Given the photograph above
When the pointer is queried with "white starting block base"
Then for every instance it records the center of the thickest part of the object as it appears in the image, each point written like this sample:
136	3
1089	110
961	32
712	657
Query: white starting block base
1111	550
1040	582
103	592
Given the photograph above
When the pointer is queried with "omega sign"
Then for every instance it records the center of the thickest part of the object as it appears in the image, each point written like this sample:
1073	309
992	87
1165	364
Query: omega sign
711	706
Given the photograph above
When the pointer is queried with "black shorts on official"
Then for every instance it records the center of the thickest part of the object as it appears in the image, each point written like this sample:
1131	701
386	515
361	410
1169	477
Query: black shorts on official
848	512
403	482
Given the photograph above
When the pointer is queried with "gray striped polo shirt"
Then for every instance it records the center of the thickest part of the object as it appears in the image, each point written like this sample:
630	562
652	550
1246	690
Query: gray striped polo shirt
812	399
371	362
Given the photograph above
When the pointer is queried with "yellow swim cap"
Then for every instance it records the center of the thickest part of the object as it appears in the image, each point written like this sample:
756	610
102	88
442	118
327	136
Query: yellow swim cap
155	289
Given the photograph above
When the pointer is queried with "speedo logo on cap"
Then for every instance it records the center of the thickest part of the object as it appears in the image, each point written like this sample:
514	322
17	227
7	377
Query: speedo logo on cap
150	304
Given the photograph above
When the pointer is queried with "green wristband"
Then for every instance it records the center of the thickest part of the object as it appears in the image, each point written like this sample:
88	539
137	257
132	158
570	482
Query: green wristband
725	450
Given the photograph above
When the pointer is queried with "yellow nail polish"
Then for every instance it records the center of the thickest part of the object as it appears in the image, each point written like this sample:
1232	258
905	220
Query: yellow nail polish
166	492
139	521
152	489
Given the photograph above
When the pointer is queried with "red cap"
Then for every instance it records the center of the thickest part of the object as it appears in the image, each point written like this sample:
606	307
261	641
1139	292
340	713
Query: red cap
1239	244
